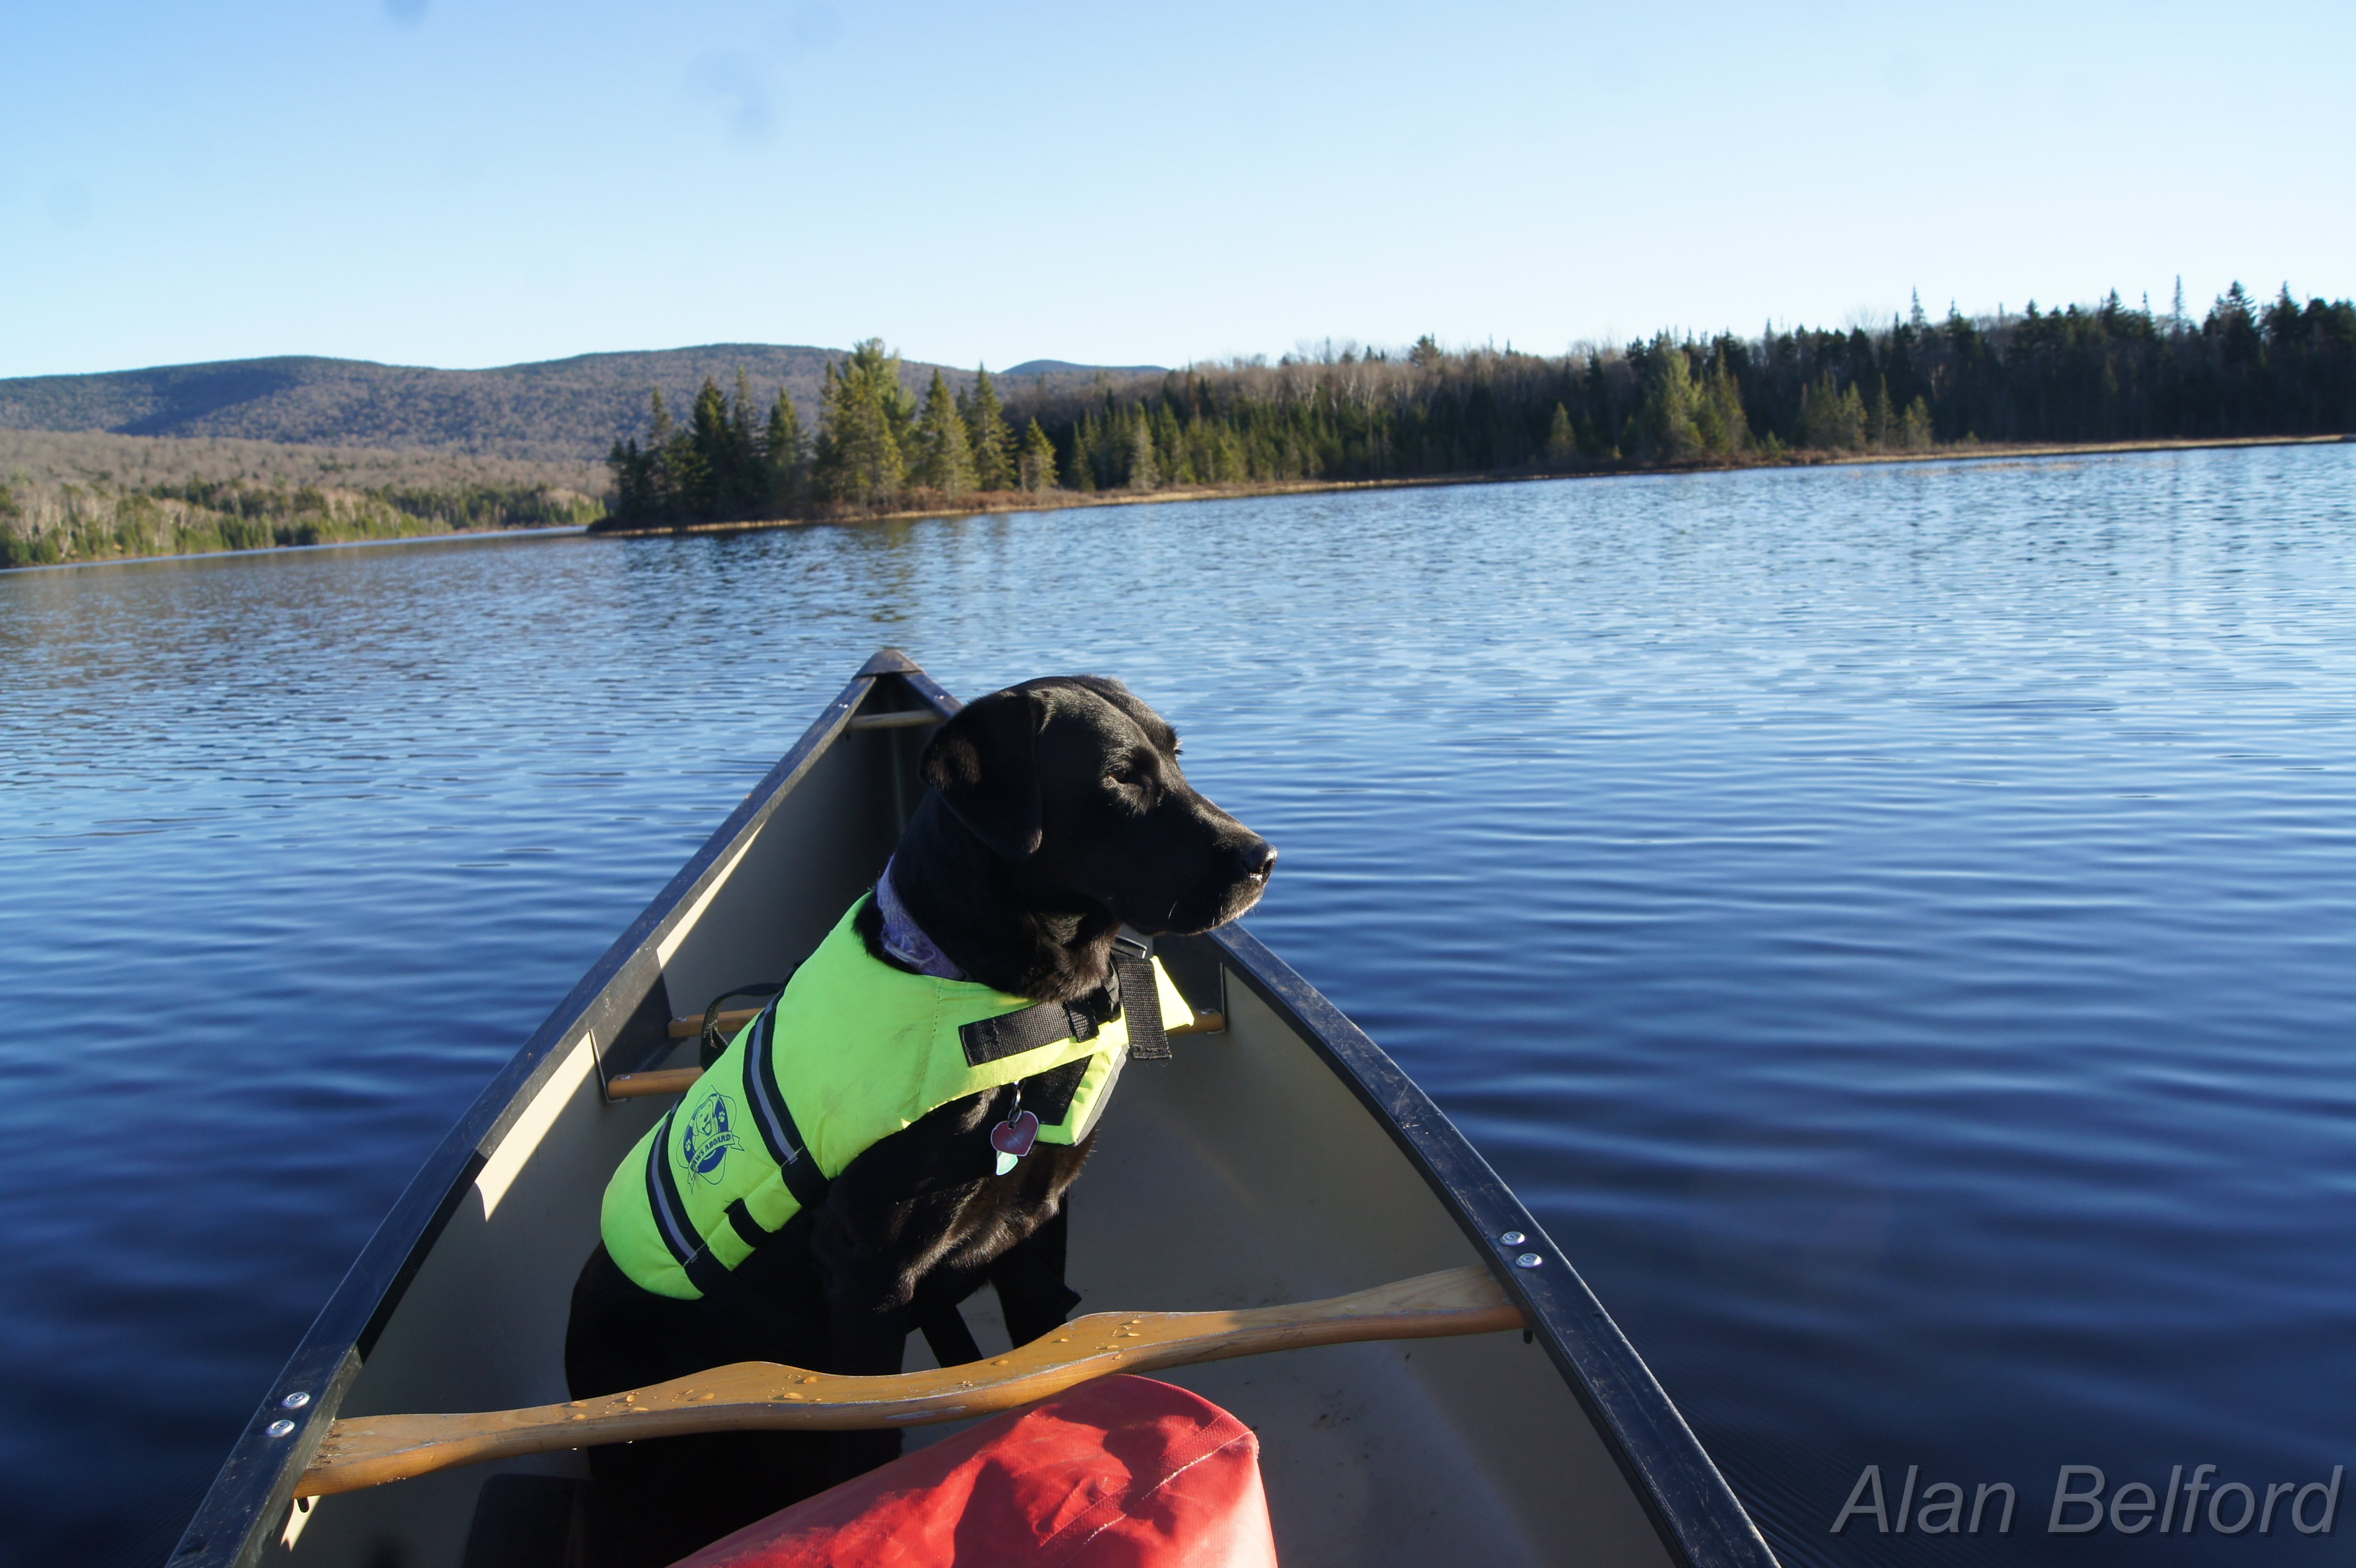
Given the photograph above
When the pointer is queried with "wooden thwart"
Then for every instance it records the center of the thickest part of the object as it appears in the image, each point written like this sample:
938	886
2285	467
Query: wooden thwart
369	1450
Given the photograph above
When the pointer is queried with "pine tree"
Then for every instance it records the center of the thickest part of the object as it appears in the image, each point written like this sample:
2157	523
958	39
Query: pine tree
786	455
1079	467
1724	429
829	477
1914	430
863	427
748	477
1036	467
1144	473
707	466
632	494
944	457
1562	440
1666	416
1832	418
1881	424
992	442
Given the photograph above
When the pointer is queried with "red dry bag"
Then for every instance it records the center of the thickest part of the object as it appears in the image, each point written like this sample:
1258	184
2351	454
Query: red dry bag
1119	1473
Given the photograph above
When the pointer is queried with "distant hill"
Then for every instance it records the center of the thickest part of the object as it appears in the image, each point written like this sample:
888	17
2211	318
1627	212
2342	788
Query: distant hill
556	411
1062	368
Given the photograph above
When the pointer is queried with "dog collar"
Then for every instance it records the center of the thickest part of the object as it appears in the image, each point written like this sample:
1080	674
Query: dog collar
904	939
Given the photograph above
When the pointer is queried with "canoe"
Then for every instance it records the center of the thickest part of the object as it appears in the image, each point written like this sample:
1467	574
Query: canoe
1279	1157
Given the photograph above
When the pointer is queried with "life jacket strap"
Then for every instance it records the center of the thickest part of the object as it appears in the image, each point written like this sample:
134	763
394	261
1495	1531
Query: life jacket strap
1040	1024
712	1042
1129	991
1135	994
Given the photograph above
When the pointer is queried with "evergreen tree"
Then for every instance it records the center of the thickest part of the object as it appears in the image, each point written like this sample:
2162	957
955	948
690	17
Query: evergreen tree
986	431
1719	419
863	427
1562	440
944	459
705	466
1882	423
1144	473
1666	417
1036	467
1833	418
748	478
1079	467
633	495
1914	429
786	455
828	464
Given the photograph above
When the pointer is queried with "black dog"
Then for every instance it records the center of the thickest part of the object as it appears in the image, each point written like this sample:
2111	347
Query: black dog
1057	814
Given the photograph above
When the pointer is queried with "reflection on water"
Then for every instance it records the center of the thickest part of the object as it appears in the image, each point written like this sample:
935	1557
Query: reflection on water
1895	924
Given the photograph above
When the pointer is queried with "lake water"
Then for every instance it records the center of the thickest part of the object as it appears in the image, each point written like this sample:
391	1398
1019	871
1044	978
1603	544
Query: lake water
1896	925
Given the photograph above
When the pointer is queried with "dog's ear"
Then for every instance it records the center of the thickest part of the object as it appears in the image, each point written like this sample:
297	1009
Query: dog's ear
983	762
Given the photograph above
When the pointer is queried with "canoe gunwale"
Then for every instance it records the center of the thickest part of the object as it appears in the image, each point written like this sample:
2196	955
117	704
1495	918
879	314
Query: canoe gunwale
241	1513
1699	1520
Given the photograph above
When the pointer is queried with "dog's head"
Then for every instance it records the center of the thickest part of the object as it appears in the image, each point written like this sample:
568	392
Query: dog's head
1076	784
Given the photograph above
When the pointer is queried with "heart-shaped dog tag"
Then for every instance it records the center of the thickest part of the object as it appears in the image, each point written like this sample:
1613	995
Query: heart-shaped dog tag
1012	1138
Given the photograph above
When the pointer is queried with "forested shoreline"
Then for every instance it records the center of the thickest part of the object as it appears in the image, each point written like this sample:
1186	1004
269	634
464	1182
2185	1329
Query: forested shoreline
2098	374
79	523
873	440
71	497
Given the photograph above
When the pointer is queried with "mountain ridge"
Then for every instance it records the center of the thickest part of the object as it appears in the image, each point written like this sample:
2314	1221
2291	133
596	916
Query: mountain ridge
568	410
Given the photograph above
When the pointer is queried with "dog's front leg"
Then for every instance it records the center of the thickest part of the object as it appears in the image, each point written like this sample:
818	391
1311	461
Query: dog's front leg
1029	1279
868	1301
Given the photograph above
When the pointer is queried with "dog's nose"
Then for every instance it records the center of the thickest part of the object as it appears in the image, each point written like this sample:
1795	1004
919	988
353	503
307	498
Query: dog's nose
1259	859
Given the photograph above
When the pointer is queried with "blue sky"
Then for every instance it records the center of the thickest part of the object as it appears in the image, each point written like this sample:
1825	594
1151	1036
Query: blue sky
461	182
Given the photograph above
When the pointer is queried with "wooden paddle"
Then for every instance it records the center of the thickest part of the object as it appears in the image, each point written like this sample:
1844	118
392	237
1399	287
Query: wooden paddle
369	1450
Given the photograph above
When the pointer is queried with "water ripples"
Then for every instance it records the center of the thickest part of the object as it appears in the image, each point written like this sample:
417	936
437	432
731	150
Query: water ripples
1895	924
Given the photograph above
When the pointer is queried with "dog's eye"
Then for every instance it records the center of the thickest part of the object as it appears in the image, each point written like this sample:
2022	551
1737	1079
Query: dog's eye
1127	776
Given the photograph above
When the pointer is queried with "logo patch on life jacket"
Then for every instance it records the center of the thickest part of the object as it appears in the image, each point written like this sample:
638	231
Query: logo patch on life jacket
709	1137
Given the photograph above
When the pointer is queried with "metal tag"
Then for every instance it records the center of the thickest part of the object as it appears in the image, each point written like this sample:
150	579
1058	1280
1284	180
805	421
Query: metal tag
1013	1139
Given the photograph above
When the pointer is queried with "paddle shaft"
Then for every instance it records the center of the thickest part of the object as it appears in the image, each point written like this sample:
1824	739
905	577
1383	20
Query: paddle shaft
368	1451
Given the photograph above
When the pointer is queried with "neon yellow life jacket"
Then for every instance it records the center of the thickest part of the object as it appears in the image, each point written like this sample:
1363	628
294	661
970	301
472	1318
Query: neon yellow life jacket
853	1051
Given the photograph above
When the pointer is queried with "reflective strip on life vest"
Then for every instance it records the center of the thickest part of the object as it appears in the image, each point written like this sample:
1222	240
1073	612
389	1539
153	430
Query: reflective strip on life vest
678	1233
774	1119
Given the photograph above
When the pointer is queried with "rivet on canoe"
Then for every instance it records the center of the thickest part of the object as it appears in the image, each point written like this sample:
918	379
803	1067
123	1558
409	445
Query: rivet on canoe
280	1428
1513	1238
295	1401
1528	1261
